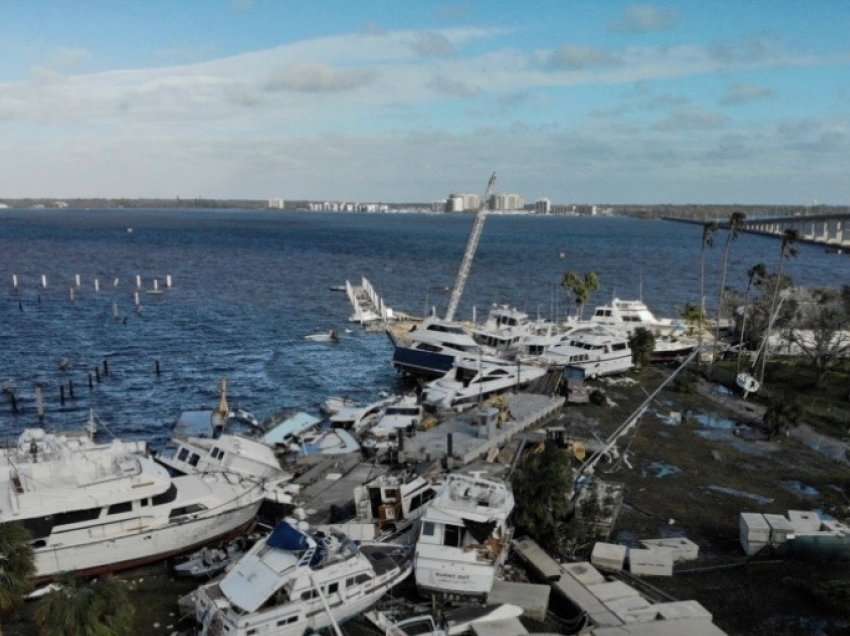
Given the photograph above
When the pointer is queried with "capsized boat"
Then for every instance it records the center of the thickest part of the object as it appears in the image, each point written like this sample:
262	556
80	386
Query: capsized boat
464	536
471	380
329	336
93	508
297	580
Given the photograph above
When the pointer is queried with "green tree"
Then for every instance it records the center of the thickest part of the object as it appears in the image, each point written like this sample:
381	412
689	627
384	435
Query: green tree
642	344
755	274
582	288
822	337
694	316
787	250
736	222
781	414
17	566
541	485
98	608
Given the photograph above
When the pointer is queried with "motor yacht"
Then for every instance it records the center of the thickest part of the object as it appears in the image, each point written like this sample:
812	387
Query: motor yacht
471	380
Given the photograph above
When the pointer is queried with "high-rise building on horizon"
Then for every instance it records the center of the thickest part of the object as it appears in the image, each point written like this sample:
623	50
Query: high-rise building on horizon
506	201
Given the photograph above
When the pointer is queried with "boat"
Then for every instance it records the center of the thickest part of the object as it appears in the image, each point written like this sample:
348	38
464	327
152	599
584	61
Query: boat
430	348
393	502
471	380
747	383
337	288
334	404
209	562
402	417
361	418
93	508
296	580
156	288
464	536
673	347
329	336
226	453
628	315
329	441
596	352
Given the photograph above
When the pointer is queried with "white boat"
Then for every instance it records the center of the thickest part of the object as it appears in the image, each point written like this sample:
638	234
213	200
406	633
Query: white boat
361	418
331	441
328	336
430	349
208	562
226	453
470	380
503	329
94	508
464	536
334	404
393	502
597	352
403	417
295	581
631	314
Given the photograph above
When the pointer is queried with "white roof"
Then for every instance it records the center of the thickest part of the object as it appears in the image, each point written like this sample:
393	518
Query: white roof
257	576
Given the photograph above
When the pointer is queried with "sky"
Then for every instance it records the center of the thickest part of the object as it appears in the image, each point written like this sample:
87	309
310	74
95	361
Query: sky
577	101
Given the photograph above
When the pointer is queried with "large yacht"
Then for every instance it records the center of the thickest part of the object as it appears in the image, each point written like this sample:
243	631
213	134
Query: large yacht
297	581
597	352
470	380
429	350
94	508
464	536
628	315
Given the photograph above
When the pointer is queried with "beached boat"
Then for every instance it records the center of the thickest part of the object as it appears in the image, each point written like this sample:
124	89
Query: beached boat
94	508
464	536
430	348
209	562
471	380
628	315
597	352
297	580
402	417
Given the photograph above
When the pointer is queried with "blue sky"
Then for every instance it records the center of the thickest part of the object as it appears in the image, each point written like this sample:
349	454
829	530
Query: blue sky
578	101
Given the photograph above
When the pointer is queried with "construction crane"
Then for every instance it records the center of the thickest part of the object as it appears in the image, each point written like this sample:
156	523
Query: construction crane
471	248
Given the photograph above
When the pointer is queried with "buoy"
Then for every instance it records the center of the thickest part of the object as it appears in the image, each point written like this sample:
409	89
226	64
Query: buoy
44	280
138	282
77	280
168	281
96	285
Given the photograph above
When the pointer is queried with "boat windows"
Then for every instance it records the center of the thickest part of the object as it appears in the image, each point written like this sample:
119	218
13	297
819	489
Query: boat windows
287	621
76	516
124	506
619	346
631	319
428	529
424	346
39	527
333	588
309	595
452	536
182	455
145	502
217	453
420	500
186	510
167	497
40	543
194	459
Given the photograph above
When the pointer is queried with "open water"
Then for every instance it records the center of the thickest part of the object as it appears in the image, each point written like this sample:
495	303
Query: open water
248	286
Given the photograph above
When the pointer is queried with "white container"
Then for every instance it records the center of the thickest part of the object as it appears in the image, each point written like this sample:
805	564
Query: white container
804	521
780	529
608	556
650	562
683	549
754	532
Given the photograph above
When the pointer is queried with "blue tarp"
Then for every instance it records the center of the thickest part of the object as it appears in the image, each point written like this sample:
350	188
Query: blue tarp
294	425
285	537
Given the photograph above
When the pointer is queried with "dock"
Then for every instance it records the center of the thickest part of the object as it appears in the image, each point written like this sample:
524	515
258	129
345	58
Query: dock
368	307
470	440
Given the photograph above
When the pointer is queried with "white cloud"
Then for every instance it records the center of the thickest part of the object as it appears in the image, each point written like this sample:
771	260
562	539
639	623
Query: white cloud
745	93
431	44
689	119
646	18
570	57
318	78
452	87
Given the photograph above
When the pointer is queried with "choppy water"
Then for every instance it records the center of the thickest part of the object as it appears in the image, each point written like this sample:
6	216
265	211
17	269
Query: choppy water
250	285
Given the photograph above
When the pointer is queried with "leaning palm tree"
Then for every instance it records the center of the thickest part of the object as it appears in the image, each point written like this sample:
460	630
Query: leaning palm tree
736	222
756	273
786	250
78	608
582	288
17	566
708	230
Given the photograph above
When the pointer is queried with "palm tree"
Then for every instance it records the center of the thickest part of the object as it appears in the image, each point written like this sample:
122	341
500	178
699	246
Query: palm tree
708	230
756	272
80	609
16	565
786	250
582	288
736	221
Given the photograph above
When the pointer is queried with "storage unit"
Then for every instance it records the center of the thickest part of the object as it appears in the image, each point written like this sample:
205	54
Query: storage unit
650	562
780	529
804	521
754	532
531	597
584	573
608	556
683	549
607	592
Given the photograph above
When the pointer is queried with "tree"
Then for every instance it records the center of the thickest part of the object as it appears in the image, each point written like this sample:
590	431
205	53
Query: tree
755	274
642	344
823	337
17	565
581	287
99	608
541	486
708	230
736	222
781	414
787	250
694	316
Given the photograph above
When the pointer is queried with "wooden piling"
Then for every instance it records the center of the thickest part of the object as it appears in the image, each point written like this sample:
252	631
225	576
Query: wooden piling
39	402
77	280
96	285
44	281
14	401
62	394
105	367
91	381
15	282
71	389
97	374
156	367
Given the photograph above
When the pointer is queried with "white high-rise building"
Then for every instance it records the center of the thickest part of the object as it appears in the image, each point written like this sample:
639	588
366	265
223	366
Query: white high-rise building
543	206
506	201
454	203
276	204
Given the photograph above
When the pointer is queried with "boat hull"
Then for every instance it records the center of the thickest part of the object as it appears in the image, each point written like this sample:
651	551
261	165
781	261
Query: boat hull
134	549
451	578
425	364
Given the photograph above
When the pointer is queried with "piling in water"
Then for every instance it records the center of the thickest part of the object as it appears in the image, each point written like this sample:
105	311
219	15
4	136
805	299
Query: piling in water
71	294
15	282
168	281
77	280
96	285
14	401
105	367
62	394
71	389
156	367
91	382
138	282
97	374
115	282
44	281
39	402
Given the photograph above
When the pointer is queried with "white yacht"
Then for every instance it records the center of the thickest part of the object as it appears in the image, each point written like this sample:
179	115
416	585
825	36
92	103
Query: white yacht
94	508
464	536
429	349
400	418
597	352
503	329
295	581
471	380
631	314
393	502
226	453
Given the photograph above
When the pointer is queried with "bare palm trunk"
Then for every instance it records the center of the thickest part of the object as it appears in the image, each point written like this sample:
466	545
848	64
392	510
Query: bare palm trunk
723	267
701	296
744	324
771	317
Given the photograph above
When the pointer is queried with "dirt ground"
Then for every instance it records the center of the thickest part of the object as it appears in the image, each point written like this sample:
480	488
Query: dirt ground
691	476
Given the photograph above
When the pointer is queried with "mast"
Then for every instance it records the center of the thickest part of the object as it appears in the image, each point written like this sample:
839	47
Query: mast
471	248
